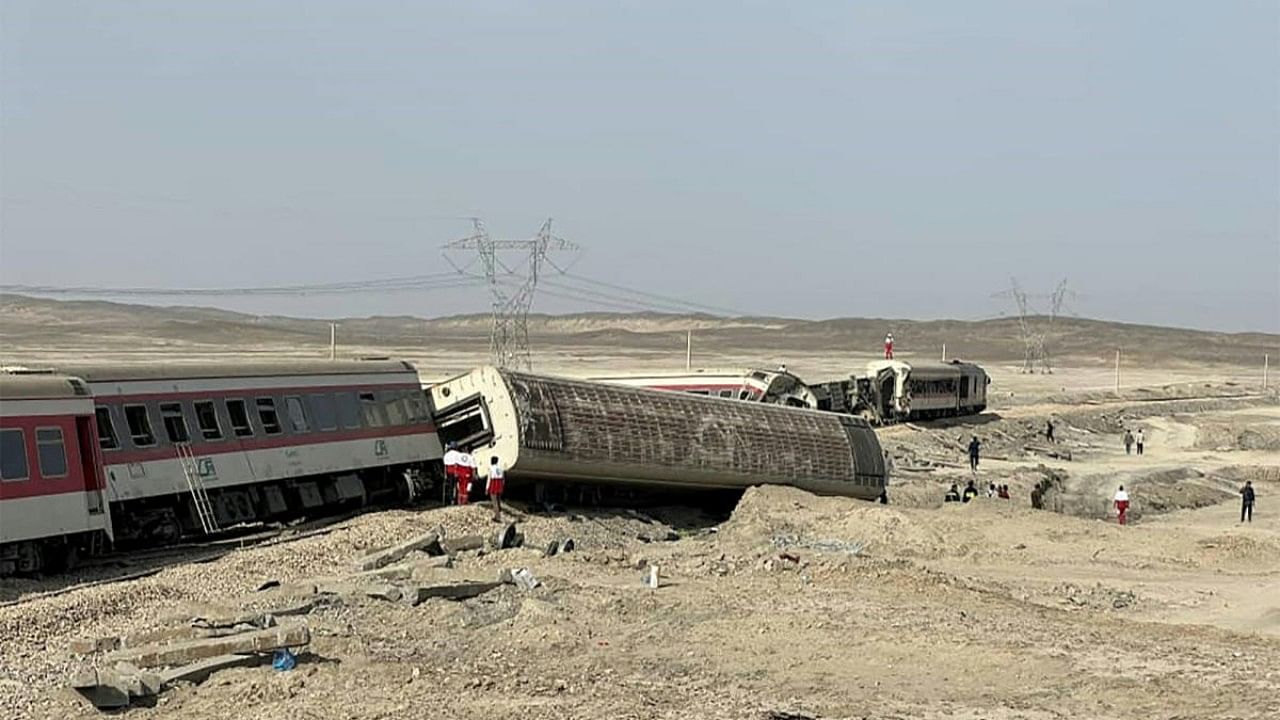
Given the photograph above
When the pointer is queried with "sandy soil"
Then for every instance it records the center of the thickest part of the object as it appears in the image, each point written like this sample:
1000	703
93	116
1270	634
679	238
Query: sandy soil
991	609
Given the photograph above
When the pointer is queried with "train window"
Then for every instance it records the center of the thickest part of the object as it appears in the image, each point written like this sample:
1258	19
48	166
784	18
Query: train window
416	404
372	413
323	412
207	420
348	410
297	418
394	408
175	424
267	414
744	394
13	455
726	393
698	392
240	424
53	456
106	429
139	425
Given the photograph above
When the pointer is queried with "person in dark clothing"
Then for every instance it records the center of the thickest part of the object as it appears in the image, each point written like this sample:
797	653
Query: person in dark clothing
970	492
975	448
1246	501
953	495
1048	430
1128	441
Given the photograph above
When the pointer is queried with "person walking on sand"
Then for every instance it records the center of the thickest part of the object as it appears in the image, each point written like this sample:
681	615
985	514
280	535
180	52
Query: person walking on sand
888	473
1048	430
1128	441
975	449
1122	505
1139	440
494	487
1246	501
888	346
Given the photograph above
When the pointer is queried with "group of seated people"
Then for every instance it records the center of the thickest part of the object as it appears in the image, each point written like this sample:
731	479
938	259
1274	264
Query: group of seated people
971	492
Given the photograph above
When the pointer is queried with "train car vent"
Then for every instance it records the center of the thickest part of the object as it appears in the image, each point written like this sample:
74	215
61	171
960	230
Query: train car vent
78	387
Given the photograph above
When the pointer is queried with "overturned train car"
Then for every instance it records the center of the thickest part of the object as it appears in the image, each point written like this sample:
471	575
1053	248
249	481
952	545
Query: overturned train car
546	429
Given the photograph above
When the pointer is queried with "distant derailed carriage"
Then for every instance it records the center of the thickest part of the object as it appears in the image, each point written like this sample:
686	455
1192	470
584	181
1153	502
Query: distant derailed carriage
549	430
777	387
897	391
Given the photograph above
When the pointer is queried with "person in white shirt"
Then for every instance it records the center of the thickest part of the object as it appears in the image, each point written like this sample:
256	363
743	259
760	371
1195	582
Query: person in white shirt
1139	440
1122	505
494	487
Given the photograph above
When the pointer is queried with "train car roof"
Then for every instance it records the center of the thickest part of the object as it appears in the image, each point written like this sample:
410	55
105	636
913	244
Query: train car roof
192	371
706	372
40	386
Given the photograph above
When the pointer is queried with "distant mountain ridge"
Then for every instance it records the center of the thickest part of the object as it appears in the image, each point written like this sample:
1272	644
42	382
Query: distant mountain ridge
39	322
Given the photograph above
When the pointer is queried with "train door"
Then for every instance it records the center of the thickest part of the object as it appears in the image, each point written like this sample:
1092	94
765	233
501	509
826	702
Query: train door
90	468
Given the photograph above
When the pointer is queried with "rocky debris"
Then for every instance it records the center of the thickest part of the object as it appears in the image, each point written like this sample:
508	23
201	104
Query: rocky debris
198	672
784	541
559	545
453	546
133	676
520	577
448	590
430	543
182	653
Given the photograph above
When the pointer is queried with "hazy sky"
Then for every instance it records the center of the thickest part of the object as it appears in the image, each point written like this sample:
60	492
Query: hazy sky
818	159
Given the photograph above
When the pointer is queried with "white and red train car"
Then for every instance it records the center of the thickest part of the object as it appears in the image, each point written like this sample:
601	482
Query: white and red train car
134	453
777	387
261	440
52	488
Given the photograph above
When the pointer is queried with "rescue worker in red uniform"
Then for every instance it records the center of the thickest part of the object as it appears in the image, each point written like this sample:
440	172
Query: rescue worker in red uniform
888	346
466	473
495	486
451	460
1122	505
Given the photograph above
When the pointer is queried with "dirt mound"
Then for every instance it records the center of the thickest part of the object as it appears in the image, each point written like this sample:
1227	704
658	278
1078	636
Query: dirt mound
1232	436
778	516
1239	546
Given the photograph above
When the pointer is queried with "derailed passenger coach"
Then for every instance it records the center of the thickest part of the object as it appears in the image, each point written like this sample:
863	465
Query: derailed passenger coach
547	429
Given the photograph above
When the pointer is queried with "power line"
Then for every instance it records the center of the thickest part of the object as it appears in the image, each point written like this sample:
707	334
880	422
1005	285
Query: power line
699	307
436	281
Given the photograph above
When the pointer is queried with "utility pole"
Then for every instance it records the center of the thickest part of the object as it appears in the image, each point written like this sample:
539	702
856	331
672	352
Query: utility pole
509	329
944	352
1266	363
1117	371
333	341
688	353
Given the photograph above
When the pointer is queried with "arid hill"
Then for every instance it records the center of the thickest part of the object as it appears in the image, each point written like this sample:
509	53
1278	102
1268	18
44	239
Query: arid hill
36	324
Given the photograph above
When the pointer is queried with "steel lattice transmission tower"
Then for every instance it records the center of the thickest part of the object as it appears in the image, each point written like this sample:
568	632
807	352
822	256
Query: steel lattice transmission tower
1036	348
511	289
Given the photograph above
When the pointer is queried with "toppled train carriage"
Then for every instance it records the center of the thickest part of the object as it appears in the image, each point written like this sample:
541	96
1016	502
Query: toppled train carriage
896	391
546	429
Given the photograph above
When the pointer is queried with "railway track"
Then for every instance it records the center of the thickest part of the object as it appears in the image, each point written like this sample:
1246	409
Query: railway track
139	564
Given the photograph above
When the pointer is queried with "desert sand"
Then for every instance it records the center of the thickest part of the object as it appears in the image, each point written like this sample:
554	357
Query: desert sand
787	605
